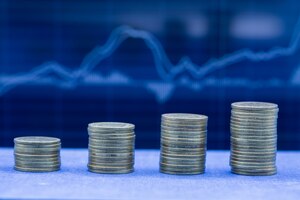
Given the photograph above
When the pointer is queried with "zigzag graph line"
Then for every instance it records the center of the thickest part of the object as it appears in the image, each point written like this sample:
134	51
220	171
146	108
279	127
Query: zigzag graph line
166	70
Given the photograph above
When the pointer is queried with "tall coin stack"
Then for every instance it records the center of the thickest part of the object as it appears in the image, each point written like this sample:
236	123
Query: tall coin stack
37	154
111	147
183	143
253	129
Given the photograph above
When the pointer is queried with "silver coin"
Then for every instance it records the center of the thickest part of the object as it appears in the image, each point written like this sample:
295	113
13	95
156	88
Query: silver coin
36	140
182	166
257	163
38	146
110	151
246	159
253	117
112	155
253	147
111	125
110	159
110	171
166	144
257	152
248	133
172	172
241	121
262	114
180	139
109	133
182	150
252	127
254	169
184	116
250	139
36	151
184	134
36	165
253	137
187	126
253	105
181	162
36	155
182	170
253	173
245	150
120	144
36	159
111	164
187	159
26	169
110	137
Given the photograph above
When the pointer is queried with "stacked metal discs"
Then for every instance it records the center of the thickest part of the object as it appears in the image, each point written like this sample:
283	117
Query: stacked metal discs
111	147
253	138
37	154
183	143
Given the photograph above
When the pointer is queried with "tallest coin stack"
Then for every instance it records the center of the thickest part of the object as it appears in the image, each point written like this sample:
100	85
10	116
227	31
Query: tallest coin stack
253	129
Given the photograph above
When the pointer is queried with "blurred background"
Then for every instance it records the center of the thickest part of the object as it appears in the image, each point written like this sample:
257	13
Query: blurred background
64	64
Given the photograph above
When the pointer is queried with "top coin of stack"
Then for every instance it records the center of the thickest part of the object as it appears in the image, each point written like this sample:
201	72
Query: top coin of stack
111	147
37	154
183	143
253	129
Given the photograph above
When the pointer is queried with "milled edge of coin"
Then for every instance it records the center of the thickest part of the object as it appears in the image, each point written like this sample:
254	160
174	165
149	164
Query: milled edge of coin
169	172
22	169
247	173
100	171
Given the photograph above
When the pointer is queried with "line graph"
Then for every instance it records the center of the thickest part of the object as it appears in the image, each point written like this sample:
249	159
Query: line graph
167	71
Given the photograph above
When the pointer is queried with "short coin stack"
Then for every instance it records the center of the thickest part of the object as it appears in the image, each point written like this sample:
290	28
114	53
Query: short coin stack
253	129
37	154
183	143
111	147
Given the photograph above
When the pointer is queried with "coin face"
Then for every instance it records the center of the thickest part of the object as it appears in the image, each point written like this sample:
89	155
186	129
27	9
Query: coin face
111	125
36	140
183	116
253	105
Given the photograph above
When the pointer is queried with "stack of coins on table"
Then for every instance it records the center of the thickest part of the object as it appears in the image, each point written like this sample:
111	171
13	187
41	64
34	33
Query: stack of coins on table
253	138
37	154
183	143
111	147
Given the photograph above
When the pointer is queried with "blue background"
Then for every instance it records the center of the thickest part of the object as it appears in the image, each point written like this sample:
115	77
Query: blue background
64	64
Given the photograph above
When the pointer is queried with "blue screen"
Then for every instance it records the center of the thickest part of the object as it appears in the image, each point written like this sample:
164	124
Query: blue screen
64	64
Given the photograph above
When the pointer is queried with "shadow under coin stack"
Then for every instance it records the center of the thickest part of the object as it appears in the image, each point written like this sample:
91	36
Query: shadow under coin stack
111	147
37	154
253	129
183	143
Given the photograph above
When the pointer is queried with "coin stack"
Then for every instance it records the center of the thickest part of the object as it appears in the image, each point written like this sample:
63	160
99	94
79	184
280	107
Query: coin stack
37	154
253	129
183	143
111	147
